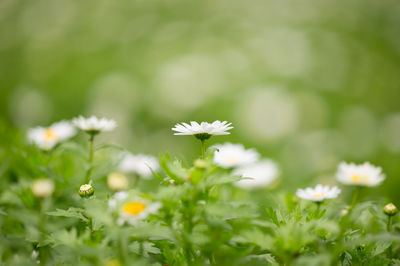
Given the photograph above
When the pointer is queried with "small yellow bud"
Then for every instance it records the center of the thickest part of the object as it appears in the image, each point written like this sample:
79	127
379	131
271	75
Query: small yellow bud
117	181
86	191
42	187
113	262
199	163
390	209
345	211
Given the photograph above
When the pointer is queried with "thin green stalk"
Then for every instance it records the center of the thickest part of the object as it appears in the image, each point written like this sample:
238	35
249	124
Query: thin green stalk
318	206
389	229
389	224
354	198
42	229
203	149
135	180
90	158
123	249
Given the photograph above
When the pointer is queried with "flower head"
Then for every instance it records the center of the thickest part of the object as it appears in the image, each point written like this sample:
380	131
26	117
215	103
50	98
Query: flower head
319	193
117	181
139	164
232	155
361	175
42	187
132	210
390	209
47	137
204	130
86	190
94	125
258	174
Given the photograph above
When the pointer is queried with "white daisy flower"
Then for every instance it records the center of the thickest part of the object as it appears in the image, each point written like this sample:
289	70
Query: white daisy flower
47	137
258	174
94	125
232	155
42	187
132	211
118	197
140	164
319	193
360	175
204	130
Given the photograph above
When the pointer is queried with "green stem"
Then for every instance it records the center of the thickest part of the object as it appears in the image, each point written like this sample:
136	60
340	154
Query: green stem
318	205
389	229
122	245
90	158
203	149
135	180
354	198
389	224
42	229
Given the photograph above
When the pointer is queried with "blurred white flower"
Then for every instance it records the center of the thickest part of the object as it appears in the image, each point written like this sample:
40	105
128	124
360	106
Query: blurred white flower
117	181
139	209
131	211
204	128
319	193
360	175
35	256
42	187
258	174
140	164
230	155
94	125
118	197
47	137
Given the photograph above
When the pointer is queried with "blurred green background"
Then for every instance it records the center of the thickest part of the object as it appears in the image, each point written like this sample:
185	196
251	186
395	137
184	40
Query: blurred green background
307	83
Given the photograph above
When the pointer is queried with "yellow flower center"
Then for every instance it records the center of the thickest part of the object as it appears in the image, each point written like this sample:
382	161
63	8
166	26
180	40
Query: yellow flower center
49	135
319	195
134	208
359	179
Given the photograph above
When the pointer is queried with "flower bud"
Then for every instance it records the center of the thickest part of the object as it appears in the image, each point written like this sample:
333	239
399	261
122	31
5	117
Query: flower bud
113	262
345	211
390	209
86	191
42	187
200	163
117	182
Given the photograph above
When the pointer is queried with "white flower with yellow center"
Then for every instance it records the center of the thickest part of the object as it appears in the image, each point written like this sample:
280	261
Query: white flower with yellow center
259	174
47	137
319	193
204	130
132	211
360	175
140	164
94	125
117	181
42	187
230	155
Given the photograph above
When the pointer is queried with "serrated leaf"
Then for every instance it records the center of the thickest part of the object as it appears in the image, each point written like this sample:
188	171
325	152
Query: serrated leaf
144	248
173	168
71	212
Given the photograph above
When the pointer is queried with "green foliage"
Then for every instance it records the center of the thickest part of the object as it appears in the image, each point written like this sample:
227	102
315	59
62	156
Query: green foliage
203	218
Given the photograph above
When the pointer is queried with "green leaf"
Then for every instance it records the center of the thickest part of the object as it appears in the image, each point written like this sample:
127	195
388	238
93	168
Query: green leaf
173	168
144	248
220	179
71	212
380	247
